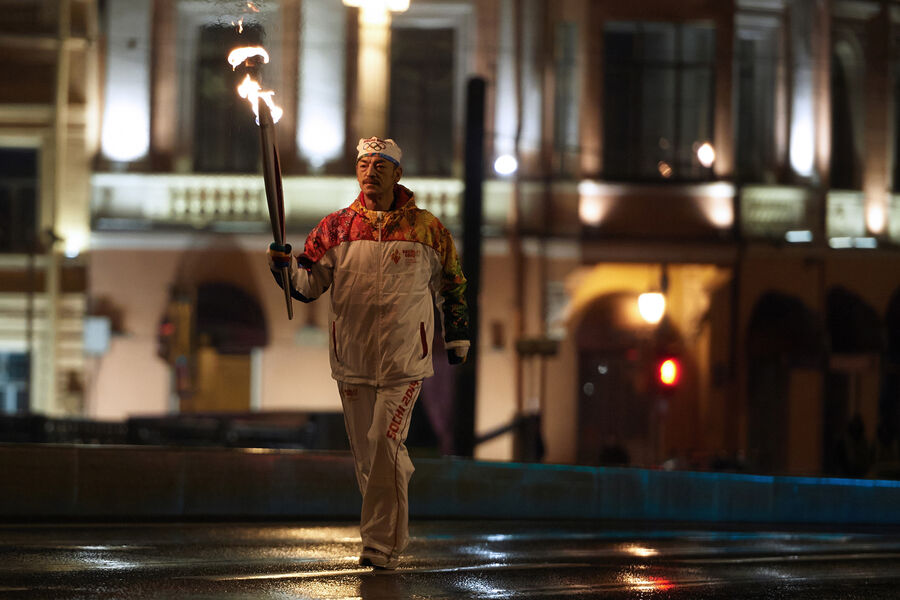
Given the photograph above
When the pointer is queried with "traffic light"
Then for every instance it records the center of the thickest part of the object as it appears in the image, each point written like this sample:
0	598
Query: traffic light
668	372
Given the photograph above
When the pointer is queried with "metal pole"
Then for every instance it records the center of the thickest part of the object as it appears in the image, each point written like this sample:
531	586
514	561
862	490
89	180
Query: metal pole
467	374
274	191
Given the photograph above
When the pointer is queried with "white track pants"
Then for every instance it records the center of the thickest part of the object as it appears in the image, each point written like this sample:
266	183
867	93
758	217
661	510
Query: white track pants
377	421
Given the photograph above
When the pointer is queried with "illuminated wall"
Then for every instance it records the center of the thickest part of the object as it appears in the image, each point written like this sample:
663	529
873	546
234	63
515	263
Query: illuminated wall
126	113
322	76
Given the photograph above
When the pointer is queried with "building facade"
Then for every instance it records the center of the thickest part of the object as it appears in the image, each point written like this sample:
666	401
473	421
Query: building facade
738	156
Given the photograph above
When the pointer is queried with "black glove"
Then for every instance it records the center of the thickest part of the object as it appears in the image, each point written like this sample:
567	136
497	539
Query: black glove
453	358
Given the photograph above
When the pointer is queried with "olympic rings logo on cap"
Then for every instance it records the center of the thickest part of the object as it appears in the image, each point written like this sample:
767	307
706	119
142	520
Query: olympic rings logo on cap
374	145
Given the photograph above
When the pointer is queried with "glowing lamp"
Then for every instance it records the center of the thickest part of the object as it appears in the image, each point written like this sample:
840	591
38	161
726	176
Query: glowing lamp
652	306
377	12
669	372
706	154
506	164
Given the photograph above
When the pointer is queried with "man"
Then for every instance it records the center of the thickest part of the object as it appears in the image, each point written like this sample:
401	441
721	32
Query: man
388	264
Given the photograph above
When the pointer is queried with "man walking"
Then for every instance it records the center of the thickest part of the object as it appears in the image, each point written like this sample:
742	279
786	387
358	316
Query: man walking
388	264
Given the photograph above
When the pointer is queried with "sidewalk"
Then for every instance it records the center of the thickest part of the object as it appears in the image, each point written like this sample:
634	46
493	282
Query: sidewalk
49	481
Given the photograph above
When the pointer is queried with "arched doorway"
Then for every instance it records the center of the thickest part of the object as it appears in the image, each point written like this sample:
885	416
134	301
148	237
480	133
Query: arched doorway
621	418
852	381
786	351
229	327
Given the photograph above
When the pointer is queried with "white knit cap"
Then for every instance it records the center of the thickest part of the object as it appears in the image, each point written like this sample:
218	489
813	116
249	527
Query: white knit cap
375	146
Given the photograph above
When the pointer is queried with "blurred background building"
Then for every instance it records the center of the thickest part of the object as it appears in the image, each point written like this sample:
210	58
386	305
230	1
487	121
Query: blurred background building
738	157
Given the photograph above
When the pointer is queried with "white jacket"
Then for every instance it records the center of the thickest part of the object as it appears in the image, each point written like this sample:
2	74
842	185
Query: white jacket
387	270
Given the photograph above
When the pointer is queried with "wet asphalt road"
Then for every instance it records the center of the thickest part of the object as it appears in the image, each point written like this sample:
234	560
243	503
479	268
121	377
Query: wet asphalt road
452	560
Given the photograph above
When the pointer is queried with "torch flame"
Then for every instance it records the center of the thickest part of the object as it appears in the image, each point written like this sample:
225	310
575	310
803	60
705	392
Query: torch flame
250	88
239	55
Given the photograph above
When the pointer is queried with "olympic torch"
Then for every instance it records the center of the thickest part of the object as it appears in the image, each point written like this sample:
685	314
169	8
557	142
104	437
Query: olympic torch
267	114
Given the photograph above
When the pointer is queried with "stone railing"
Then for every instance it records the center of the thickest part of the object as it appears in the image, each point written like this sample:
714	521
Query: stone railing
238	202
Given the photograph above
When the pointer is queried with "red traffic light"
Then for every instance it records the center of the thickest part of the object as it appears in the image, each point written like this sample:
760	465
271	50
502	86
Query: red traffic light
668	372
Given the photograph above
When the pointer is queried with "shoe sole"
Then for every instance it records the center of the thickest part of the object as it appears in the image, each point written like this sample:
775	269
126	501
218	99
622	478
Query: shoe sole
365	561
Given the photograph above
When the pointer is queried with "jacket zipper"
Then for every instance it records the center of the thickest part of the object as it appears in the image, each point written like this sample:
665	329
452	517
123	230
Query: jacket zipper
378	299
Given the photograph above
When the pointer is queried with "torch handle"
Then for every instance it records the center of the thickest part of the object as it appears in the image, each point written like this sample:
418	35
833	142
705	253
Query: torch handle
274	190
271	173
286	279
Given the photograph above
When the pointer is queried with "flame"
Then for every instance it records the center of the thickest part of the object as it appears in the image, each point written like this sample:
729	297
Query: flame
239	25
251	90
239	55
252	7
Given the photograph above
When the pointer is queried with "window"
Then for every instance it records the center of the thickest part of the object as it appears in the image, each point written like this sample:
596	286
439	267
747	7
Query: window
565	106
226	138
757	68
847	100
18	199
658	81
15	371
421	99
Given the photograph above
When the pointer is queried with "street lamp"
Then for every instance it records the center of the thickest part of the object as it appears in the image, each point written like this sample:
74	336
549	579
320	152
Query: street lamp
652	306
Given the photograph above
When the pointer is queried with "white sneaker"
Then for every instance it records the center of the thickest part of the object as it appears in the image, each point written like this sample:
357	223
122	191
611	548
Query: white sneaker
370	557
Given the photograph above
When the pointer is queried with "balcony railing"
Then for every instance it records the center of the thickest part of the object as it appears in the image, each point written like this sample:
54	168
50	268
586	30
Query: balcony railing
238	202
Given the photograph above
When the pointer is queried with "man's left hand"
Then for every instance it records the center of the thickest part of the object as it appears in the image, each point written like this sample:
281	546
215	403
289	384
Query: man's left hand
456	356
279	256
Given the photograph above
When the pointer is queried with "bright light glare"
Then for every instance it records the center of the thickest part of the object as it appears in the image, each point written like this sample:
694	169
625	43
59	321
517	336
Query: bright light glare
590	210
875	218
652	307
593	204
668	371
321	140
506	164
377	12
126	131
802	140
647	584
706	154
639	551
867	243
76	241
799	236
719	211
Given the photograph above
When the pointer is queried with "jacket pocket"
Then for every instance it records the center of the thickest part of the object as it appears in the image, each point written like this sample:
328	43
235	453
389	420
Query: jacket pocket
424	339
334	343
